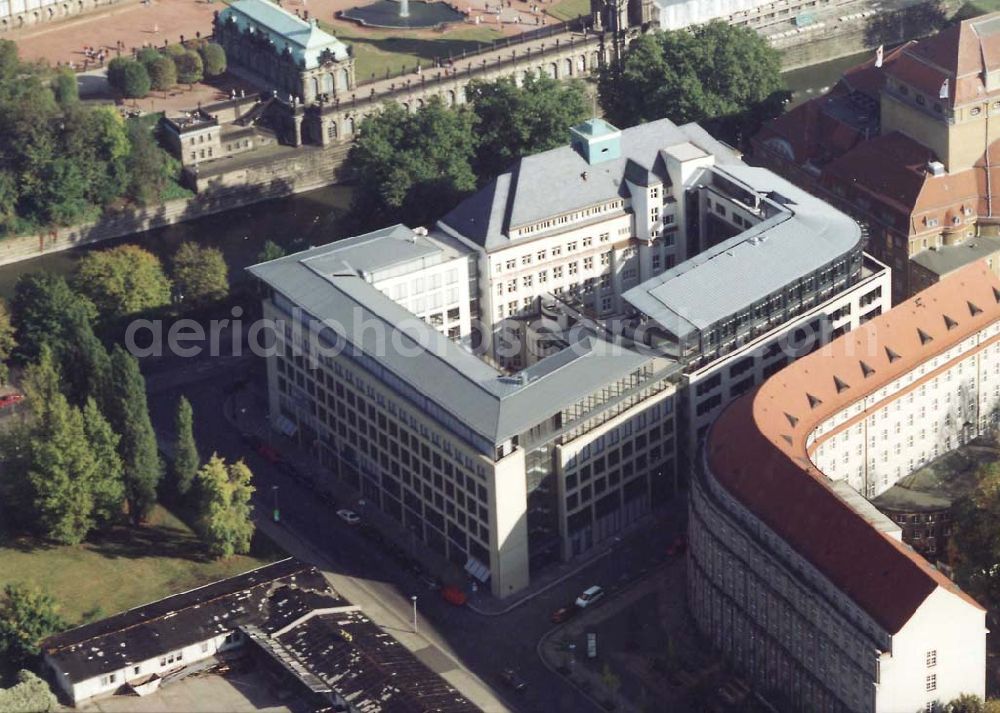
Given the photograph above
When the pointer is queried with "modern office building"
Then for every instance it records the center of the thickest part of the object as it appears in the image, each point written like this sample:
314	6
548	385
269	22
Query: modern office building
500	472
662	233
505	384
805	586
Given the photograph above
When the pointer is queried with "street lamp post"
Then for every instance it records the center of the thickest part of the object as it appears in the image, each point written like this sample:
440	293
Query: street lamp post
414	599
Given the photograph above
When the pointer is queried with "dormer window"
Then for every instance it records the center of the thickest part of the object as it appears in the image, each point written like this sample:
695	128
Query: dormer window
903	89
975	111
921	100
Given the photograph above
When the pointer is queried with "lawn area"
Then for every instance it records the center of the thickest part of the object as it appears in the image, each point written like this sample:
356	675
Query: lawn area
376	51
570	9
124	568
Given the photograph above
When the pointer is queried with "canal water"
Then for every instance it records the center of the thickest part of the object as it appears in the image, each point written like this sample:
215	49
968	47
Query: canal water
312	218
293	222
808	82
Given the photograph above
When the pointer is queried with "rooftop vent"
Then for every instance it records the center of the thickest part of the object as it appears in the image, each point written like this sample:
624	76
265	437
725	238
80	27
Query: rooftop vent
893	356
420	230
924	336
935	168
974	310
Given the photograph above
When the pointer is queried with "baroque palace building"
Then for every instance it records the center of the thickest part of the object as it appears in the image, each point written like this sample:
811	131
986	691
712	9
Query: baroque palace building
805	586
647	278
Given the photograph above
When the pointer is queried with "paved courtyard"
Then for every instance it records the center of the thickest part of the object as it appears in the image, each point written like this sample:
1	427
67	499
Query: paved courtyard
203	693
136	24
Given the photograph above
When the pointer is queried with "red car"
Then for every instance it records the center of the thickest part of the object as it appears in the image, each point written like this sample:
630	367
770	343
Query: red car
453	595
562	614
268	453
10	399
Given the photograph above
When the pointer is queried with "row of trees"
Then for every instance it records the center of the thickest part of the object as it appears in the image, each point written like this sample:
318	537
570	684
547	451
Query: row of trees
127	279
87	448
160	71
61	162
414	167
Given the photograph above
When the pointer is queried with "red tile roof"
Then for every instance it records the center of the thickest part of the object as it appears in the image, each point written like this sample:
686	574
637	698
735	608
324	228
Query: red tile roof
962	54
869	79
758	450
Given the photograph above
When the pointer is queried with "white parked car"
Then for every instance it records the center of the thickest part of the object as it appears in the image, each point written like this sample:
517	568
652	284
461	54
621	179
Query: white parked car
349	516
589	596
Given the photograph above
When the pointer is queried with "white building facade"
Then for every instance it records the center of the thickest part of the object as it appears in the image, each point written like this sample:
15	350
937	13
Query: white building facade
803	585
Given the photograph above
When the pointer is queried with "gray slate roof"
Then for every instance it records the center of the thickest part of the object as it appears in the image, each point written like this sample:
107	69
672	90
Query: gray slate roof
949	258
748	267
466	391
552	183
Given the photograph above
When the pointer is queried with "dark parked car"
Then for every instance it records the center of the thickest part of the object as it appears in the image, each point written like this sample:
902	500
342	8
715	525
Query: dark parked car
512	680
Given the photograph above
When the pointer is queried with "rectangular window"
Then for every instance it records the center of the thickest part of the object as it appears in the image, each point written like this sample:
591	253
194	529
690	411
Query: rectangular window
932	658
931	683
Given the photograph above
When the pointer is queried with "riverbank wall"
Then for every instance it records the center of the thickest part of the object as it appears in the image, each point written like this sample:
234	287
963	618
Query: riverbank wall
859	28
283	174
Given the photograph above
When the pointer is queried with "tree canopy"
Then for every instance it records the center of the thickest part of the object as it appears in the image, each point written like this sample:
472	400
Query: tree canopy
517	121
190	68
213	57
43	309
225	521
27	616
162	73
128	413
974	546
200	273
186	460
725	77
412	167
60	161
123	280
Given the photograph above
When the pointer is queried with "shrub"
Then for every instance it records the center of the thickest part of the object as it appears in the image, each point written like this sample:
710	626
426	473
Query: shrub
29	695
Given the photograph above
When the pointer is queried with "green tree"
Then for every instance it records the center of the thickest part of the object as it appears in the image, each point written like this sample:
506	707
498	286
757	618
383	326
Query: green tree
517	121
41	308
84	361
97	140
725	77
200	273
226	519
411	167
29	695
162	73
965	703
8	340
123	280
129	77
213	58
27	617
186	460
148	167
974	546
128	413
190	69
61	467
270	251
116	72
148	55
65	88
108	485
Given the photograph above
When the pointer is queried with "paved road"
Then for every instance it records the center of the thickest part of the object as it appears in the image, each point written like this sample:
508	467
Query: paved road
485	644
